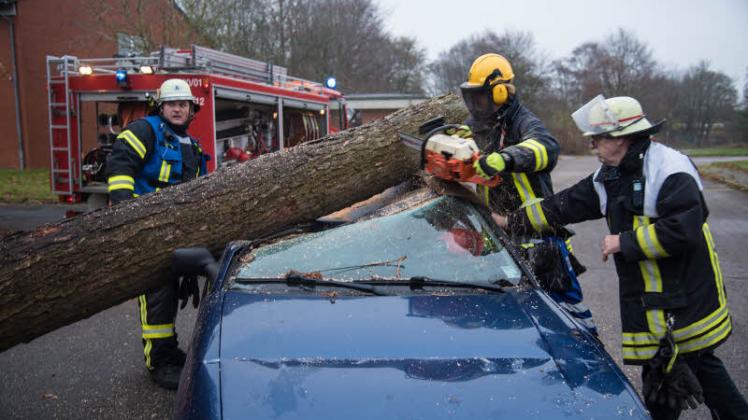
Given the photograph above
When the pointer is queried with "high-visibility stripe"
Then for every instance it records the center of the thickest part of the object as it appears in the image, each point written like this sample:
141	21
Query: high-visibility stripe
163	175
486	197
534	211
681	335
652	284
144	321
715	264
540	152
521	188
134	142
147	352
674	356
705	324
121	182
646	237
537	217
639	353
710	339
649	268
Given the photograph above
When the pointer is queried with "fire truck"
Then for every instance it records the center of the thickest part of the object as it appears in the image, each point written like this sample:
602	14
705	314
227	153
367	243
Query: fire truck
247	108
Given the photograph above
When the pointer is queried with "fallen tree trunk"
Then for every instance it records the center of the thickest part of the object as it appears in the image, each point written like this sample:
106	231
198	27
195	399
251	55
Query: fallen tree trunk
64	272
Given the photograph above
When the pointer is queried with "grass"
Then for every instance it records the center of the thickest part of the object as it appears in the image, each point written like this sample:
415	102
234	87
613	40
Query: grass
717	151
737	165
731	173
29	186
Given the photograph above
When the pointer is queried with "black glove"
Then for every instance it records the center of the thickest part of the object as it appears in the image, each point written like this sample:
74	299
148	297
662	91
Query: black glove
188	287
682	387
670	380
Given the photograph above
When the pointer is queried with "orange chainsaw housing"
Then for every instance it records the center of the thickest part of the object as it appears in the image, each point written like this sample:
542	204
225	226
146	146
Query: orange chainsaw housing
456	170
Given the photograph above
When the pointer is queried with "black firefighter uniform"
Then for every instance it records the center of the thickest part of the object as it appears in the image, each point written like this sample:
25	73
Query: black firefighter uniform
668	267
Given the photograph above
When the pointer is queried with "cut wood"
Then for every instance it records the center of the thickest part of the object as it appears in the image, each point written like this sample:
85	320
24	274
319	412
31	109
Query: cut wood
61	273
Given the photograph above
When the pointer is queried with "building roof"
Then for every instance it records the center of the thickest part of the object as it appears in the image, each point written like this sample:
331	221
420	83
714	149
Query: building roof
383	100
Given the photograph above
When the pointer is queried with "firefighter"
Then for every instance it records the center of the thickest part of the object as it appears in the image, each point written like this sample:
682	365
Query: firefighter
152	153
673	303
516	145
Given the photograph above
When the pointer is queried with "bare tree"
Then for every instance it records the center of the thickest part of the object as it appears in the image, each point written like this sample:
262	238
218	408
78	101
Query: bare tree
145	24
707	98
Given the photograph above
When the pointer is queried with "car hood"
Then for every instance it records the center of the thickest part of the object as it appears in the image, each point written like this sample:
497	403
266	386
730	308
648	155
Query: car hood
459	356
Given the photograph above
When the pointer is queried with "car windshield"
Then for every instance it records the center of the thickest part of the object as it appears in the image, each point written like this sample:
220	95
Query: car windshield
445	239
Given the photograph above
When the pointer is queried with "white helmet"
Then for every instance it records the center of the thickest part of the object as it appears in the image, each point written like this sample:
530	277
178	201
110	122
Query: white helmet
174	90
615	117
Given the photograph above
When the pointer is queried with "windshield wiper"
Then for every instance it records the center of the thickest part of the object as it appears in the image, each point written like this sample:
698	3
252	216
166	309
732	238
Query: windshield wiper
298	280
418	283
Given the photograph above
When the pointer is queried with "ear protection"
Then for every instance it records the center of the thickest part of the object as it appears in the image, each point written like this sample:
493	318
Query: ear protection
500	90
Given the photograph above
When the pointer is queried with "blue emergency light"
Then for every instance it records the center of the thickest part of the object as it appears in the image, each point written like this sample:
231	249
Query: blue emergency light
121	77
331	82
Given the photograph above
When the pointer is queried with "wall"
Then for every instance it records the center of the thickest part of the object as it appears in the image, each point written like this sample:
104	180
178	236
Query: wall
83	28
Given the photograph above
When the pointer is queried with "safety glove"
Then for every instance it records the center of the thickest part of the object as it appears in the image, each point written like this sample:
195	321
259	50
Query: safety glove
670	380
463	132
487	166
188	286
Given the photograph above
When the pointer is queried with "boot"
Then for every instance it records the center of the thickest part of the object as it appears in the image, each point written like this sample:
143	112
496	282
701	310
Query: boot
166	374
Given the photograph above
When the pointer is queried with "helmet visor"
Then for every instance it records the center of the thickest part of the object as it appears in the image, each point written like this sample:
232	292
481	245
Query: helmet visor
478	100
595	118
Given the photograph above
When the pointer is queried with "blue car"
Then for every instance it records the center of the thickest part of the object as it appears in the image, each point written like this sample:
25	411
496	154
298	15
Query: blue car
423	310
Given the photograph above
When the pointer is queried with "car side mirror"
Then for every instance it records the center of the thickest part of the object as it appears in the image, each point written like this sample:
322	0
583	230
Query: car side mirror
196	261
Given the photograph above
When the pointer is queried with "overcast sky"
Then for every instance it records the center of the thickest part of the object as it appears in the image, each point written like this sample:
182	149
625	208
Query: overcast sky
679	33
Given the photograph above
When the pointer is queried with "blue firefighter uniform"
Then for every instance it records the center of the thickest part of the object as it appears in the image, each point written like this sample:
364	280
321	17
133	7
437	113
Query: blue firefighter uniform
149	155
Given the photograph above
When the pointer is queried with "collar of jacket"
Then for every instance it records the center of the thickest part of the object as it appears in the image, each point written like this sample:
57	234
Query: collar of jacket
631	163
180	130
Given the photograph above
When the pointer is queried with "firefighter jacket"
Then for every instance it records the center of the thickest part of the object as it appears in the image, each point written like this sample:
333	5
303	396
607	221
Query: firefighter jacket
149	155
668	267
532	151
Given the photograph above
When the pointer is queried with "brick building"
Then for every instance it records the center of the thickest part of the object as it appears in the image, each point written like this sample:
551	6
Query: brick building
373	106
33	29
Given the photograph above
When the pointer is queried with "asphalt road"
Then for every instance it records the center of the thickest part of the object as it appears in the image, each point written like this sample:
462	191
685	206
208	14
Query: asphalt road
93	369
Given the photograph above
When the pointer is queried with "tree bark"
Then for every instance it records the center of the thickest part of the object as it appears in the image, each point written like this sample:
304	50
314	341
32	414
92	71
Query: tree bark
61	273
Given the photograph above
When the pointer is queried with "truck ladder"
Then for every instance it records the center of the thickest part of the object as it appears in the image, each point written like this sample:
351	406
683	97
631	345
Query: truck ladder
62	165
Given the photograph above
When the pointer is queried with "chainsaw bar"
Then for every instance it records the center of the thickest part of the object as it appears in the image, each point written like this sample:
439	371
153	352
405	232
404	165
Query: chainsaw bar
414	143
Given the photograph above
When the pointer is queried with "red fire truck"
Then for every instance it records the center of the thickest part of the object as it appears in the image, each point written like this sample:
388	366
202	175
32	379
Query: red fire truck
247	108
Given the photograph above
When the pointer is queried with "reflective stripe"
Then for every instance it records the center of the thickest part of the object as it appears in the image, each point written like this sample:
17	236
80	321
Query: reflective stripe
163	175
134	142
121	182
715	264
527	196
144	321
569	247
520	184
485	195
639	353
681	335
649	268
704	341
652	284
158	331
540	152
646	237
537	217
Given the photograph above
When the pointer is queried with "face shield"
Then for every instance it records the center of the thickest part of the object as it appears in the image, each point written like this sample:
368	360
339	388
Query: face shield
595	118
478	100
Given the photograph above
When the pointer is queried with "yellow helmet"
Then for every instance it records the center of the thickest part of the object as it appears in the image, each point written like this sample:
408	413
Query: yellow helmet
487	83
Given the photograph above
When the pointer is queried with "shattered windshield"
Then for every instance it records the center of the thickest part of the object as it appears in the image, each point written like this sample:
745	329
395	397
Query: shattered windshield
444	239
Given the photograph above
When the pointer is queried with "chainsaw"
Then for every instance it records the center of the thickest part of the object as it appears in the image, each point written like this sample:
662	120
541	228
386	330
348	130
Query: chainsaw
447	157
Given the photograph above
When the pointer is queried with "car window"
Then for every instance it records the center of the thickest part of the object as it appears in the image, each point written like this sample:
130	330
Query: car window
445	239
